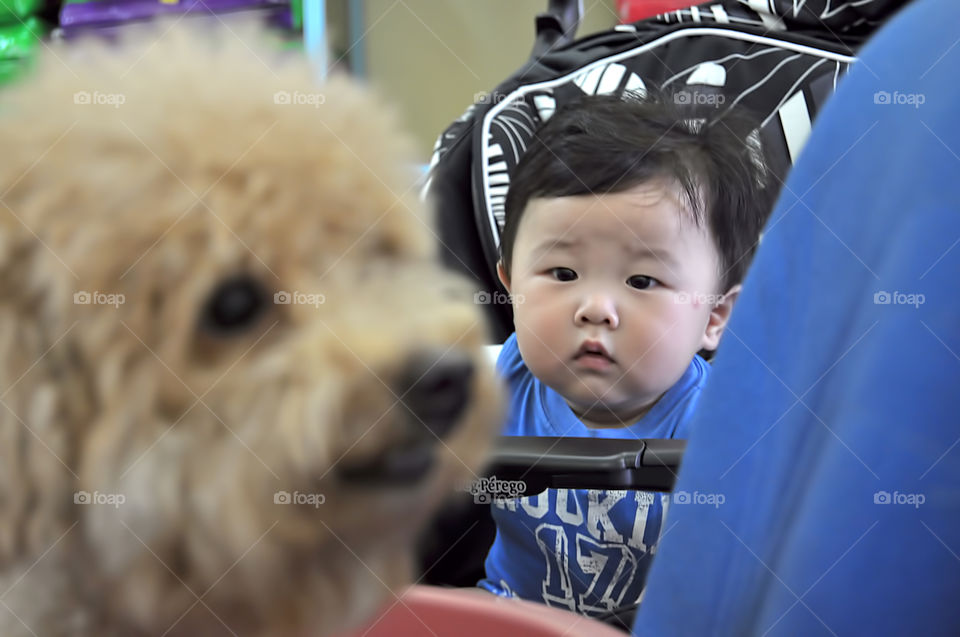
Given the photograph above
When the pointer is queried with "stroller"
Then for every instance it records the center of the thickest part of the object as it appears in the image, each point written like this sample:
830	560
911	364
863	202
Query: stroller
782	63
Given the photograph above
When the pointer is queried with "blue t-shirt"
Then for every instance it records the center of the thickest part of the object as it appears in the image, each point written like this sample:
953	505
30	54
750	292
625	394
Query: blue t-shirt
583	550
830	423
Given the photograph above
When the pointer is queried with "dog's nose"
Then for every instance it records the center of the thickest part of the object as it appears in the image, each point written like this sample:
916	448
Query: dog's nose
435	387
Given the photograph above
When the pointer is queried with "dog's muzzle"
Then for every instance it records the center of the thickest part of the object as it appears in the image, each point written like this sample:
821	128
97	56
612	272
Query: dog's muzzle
434	389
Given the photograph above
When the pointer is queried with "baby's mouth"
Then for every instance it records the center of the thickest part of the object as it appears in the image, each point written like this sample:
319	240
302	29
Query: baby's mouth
593	355
593	350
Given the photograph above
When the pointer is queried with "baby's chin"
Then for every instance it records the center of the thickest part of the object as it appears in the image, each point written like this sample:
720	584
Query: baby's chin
608	414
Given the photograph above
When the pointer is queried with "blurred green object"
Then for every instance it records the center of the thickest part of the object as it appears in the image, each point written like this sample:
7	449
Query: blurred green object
296	13
19	40
12	70
9	70
12	11
18	44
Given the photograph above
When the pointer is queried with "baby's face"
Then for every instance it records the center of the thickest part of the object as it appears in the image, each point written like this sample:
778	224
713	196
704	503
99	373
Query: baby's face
630	272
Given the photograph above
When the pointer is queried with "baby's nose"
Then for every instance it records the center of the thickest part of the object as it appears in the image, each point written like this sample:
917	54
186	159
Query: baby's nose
435	387
599	309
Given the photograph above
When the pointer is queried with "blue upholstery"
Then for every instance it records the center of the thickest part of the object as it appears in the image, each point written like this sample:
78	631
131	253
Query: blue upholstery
831	424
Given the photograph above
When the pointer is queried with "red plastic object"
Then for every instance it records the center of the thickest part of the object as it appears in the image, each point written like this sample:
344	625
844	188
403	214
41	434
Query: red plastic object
633	10
428	611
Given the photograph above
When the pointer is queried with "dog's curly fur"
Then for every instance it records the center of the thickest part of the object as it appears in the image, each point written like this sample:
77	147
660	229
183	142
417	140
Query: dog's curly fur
200	176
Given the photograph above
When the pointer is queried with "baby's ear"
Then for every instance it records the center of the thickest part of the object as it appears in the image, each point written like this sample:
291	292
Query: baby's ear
718	319
503	276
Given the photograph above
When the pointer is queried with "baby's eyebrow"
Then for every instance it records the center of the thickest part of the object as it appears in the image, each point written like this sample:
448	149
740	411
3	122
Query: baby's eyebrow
642	250
633	249
663	255
555	244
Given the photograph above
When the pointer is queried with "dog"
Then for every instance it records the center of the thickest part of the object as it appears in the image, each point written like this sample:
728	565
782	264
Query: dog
236	381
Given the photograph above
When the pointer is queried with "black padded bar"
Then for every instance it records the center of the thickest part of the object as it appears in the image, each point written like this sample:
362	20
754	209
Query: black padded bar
586	463
557	27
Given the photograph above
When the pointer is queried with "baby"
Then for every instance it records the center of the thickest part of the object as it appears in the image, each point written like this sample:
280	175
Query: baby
629	228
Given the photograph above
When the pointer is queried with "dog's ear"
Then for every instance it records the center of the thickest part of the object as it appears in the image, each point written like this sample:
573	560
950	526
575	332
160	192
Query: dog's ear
38	393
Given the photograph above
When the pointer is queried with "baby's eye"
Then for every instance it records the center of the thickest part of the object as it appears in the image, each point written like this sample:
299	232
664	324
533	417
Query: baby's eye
641	282
563	274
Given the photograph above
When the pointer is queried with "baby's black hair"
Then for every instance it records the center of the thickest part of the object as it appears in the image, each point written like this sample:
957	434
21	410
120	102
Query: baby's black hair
608	144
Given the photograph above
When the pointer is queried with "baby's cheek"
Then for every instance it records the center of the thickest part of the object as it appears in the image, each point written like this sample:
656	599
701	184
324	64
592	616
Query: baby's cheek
680	314
533	304
538	329
693	302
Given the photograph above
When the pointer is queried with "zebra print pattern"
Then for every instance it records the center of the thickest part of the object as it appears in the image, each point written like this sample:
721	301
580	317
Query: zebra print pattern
842	15
782	82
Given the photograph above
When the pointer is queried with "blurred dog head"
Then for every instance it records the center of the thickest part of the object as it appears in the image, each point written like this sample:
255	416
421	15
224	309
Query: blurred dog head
235	379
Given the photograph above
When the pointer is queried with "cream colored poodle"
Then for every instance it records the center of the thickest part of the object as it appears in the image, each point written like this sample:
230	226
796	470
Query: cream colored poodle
235	381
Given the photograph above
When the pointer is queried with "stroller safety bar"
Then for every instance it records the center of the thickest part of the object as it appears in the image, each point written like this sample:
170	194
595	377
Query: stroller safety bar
586	463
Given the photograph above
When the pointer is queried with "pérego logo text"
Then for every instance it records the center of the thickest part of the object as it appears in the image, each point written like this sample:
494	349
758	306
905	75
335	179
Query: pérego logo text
485	490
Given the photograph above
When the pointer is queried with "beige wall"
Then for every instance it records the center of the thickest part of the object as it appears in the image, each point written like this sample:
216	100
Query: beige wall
433	56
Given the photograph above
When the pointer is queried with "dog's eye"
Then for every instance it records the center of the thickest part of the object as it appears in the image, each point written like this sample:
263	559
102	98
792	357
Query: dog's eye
235	304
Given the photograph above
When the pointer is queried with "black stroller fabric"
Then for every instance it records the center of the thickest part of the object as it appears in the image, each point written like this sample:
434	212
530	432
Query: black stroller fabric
781	59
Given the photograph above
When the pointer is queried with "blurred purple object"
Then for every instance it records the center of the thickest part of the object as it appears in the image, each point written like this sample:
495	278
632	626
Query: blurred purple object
112	12
271	14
